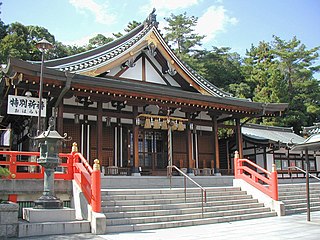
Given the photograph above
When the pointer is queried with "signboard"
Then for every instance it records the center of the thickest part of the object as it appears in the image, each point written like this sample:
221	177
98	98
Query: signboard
27	106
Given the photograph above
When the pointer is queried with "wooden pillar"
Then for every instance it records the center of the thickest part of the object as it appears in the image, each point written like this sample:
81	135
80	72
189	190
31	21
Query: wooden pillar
118	142
239	138
99	132
216	156
60	118
85	137
135	132
189	145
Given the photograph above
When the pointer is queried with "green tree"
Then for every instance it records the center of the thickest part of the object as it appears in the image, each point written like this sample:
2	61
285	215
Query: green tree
130	26
296	63
99	40
282	71
19	41
220	66
180	33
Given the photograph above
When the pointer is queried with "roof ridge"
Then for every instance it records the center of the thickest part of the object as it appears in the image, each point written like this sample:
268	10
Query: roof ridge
267	127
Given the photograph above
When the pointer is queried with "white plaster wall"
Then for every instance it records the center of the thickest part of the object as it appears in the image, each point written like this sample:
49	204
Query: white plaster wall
134	72
318	163
152	75
270	161
259	158
114	71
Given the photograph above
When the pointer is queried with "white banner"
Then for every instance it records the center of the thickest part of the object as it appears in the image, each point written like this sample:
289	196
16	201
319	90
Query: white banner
27	106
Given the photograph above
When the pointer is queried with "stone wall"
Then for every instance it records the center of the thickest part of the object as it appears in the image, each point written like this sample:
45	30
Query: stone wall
8	220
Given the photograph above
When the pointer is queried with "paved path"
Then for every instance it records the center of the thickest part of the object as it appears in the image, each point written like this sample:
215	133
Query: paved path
294	227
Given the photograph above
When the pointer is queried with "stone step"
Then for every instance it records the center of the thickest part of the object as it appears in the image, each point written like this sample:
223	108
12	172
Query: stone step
289	202
298	196
27	229
297	186
148	213
182	217
150	182
200	221
171	201
295	192
301	205
168	195
301	210
294	197
106	209
158	191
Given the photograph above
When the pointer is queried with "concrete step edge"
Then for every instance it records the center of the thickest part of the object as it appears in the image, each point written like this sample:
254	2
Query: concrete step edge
202	221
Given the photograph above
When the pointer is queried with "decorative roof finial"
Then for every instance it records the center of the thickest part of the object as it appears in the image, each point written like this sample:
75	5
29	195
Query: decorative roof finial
152	18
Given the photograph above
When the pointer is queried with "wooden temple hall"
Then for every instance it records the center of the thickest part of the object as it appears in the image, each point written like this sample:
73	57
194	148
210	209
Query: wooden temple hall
132	103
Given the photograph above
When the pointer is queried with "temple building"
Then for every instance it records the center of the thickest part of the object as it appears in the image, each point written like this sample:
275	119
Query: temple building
132	103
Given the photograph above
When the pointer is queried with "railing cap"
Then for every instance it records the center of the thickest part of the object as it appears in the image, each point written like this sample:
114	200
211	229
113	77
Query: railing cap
96	165
74	147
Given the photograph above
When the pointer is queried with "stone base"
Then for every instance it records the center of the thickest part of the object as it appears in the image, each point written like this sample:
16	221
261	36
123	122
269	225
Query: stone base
48	202
8	220
34	215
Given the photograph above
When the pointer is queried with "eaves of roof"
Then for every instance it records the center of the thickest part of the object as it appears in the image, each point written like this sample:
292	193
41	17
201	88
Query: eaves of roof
16	65
271	134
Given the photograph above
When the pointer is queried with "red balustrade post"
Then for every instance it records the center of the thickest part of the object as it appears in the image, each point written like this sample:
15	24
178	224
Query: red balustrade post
75	158
236	164
13	198
274	183
96	187
13	165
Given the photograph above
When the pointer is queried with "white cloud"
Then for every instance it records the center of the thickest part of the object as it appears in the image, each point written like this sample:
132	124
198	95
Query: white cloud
163	6
213	21
101	13
85	40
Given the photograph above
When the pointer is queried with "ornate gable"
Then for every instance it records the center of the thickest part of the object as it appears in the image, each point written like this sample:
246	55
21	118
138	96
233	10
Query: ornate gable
141	55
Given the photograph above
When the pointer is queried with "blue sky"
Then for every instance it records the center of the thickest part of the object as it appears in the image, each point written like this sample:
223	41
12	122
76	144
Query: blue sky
231	23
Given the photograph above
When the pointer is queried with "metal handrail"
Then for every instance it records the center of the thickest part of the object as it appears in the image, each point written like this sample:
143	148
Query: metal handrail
301	170
203	190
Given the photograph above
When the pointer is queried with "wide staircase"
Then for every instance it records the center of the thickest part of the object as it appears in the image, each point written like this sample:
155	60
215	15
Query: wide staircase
295	200
143	209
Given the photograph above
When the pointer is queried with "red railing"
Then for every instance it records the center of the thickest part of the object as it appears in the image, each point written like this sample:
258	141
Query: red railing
23	165
265	181
89	179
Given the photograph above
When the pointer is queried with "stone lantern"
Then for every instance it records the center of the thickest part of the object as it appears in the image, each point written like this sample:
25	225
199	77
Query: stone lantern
49	142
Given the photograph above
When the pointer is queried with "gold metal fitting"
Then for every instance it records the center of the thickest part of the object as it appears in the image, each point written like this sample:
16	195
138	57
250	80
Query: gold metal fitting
74	147
96	165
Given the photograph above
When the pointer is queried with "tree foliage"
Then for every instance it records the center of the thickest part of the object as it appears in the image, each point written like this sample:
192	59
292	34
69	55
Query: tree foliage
180	32
282	71
130	26
272	72
98	41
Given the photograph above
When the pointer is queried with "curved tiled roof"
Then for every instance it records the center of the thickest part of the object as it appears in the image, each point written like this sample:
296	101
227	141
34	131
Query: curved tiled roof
97	57
312	129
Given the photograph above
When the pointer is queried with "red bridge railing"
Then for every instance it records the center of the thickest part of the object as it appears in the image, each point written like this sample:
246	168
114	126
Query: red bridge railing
265	181
23	165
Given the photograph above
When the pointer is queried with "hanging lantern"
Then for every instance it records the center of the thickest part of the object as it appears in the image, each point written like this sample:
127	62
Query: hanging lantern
147	124
156	124
164	125
77	118
108	121
180	126
174	126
